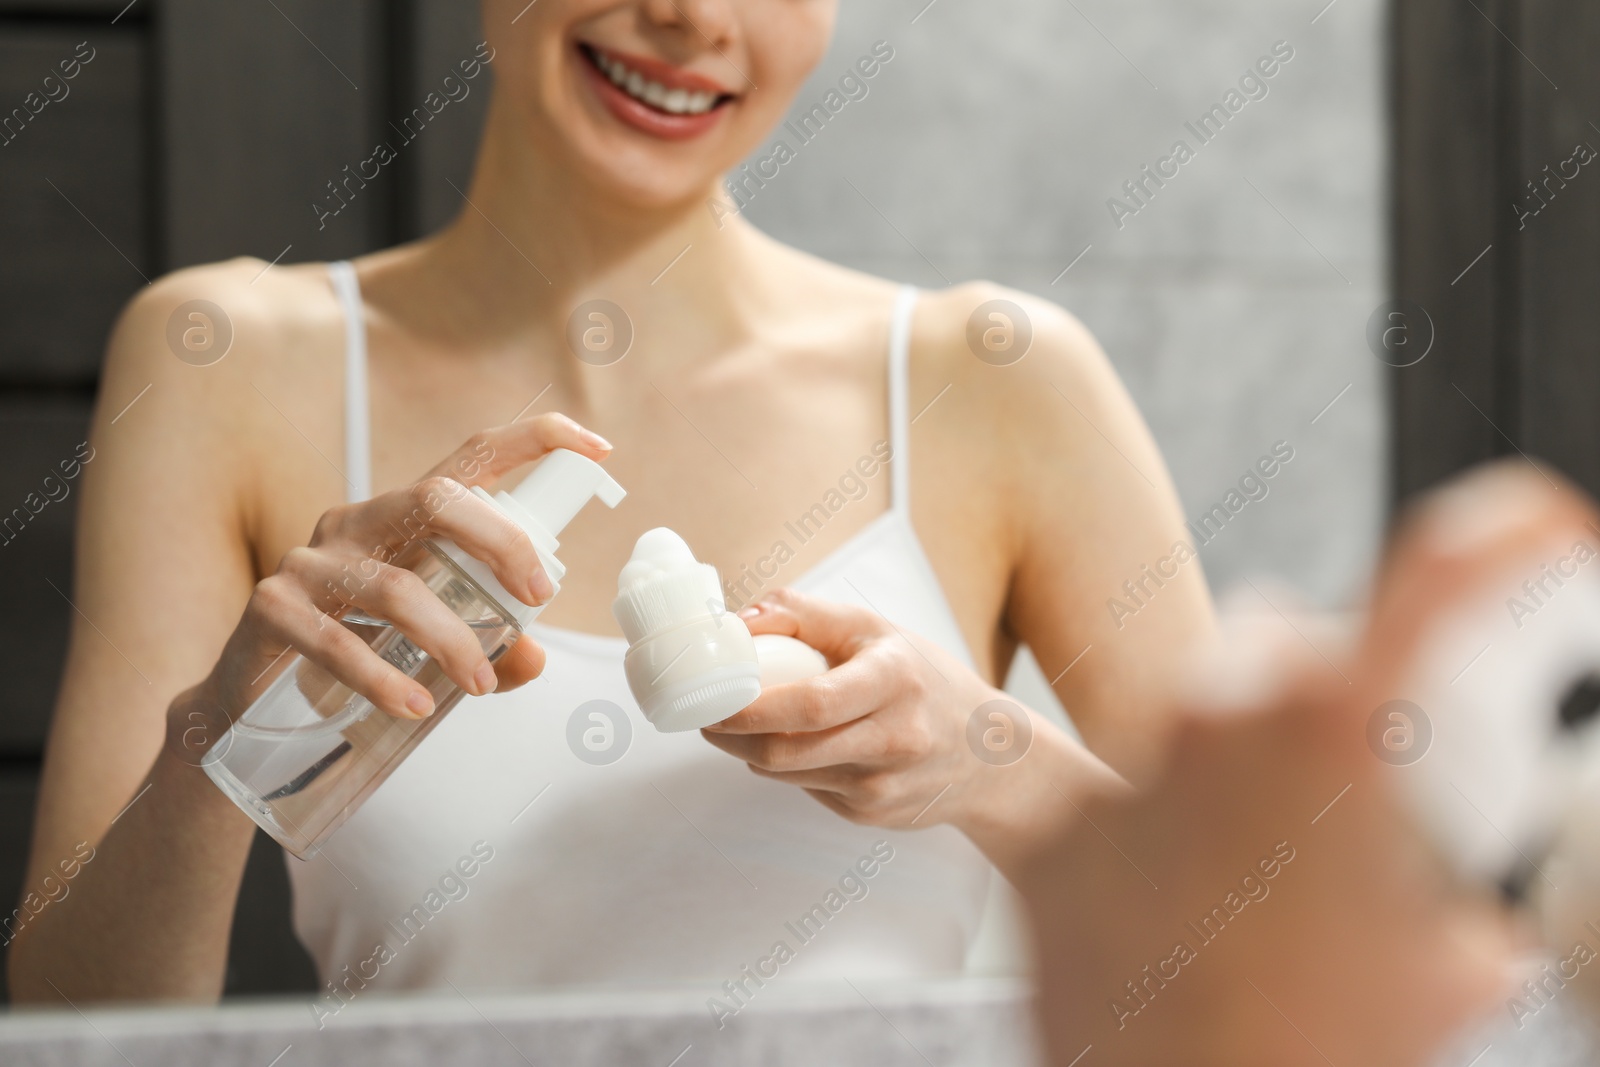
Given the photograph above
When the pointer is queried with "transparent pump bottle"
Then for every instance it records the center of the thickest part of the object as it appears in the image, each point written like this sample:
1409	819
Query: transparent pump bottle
306	754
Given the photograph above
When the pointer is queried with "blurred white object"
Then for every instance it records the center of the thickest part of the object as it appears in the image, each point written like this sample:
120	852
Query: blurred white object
1502	736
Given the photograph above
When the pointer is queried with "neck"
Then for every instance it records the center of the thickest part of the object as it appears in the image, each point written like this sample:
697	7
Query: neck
534	241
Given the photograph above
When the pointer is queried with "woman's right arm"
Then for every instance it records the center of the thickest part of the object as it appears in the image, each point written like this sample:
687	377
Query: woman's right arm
166	592
162	572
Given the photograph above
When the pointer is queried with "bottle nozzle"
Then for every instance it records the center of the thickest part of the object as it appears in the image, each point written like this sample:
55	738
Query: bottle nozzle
560	485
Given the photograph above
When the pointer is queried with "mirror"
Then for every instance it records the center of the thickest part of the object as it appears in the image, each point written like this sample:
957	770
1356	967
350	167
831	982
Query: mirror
1208	189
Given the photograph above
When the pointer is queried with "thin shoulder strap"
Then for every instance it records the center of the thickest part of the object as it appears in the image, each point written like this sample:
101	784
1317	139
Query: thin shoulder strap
905	306
357	424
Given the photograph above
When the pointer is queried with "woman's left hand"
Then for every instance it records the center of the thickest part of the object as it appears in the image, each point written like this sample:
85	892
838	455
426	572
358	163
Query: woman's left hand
882	738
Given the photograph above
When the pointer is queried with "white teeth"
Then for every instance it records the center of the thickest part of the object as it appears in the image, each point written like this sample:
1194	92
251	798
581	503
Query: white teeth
636	85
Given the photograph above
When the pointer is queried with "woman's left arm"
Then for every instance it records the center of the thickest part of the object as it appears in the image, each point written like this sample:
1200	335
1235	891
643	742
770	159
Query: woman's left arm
899	733
1106	586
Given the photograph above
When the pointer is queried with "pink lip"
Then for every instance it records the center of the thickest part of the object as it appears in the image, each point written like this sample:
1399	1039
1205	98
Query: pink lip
640	116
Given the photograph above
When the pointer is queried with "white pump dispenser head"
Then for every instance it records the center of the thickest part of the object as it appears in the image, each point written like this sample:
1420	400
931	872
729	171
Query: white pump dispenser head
542	504
557	489
690	663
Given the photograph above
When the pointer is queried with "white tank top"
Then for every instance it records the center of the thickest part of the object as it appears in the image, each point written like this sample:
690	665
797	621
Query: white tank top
672	864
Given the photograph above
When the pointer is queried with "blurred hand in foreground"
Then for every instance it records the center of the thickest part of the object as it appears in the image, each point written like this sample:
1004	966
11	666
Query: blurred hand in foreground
1267	898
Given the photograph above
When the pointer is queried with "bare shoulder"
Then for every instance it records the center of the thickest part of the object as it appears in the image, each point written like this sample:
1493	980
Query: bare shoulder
224	318
992	338
992	368
208	337
211	371
1022	369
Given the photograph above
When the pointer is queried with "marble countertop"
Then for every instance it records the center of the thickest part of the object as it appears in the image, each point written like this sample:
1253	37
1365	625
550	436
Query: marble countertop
926	1024
982	1023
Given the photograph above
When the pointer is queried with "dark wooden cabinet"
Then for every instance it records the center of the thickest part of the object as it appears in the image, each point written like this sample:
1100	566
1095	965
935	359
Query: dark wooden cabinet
74	197
1497	234
263	105
198	131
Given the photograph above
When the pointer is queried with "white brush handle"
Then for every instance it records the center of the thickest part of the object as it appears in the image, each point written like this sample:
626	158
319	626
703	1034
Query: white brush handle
784	660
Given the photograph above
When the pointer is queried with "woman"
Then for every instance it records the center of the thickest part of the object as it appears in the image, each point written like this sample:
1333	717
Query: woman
759	382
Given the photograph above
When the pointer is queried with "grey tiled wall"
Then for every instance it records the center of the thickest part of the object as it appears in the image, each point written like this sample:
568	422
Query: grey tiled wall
1234	304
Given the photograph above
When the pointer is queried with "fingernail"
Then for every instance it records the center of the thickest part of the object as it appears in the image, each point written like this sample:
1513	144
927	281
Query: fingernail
539	585
589	437
486	679
750	611
421	704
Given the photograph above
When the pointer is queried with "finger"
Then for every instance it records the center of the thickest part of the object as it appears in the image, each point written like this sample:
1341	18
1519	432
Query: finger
850	691
855	795
834	802
280	614
1456	543
488	454
437	507
835	781
522	663
402	598
859	743
836	630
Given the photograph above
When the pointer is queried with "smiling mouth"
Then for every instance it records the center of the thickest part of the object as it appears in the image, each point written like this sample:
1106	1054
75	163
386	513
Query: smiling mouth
650	93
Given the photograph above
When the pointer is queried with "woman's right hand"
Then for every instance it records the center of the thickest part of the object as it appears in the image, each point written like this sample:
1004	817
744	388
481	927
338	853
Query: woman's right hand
347	566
